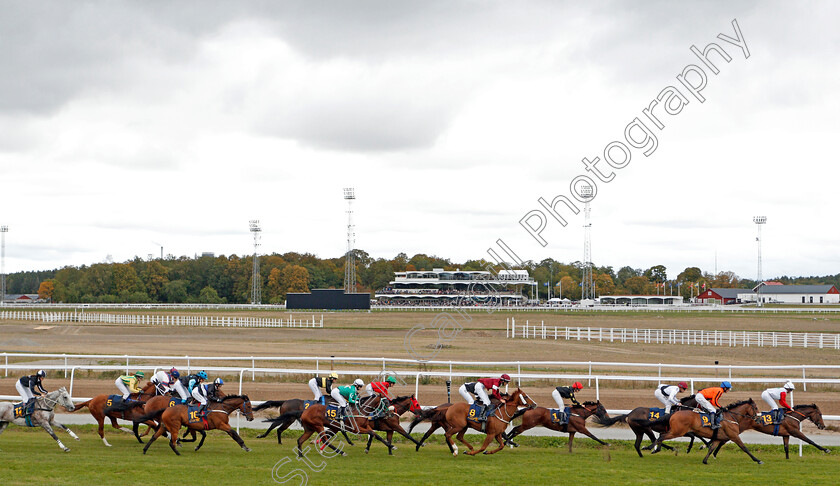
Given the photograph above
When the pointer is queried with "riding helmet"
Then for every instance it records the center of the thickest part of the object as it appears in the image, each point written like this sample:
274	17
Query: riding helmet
218	382
391	380
139	374
726	384
202	375
506	377
789	385
683	385
359	382
334	375
41	373
577	385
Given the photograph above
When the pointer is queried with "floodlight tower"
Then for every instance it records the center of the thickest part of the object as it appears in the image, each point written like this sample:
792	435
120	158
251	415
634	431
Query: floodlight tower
256	280
587	284
759	221
350	256
3	230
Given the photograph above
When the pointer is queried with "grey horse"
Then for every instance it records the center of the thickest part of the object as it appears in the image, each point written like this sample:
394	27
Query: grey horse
43	416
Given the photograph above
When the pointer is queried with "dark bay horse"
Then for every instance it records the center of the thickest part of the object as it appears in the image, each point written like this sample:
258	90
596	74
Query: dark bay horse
641	423
790	426
391	422
315	421
97	407
284	407
495	425
218	413
737	417
437	420
578	414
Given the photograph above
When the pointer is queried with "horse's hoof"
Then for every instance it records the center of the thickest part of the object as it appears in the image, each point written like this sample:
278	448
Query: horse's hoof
827	451
761	462
66	449
366	451
246	449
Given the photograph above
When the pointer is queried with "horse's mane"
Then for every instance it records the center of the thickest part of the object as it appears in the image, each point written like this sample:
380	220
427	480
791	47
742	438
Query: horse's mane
229	397
813	405
397	399
737	404
589	403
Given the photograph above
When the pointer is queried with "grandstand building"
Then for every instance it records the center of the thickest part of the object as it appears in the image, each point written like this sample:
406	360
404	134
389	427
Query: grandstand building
458	287
792	294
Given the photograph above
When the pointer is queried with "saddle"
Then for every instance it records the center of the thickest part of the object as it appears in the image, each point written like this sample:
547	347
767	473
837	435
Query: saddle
21	410
560	417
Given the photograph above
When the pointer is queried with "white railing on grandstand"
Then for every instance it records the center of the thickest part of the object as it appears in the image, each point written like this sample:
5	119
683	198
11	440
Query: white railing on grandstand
674	336
617	308
56	305
162	319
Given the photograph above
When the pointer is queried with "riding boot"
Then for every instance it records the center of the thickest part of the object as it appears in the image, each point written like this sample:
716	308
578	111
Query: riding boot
322	400
716	422
342	412
30	406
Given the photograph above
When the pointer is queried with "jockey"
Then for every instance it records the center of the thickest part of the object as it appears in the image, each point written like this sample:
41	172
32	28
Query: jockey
562	392
381	387
178	386
29	387
196	381
667	394
326	382
214	390
707	399
492	384
199	393
770	396
128	384
163	380
347	394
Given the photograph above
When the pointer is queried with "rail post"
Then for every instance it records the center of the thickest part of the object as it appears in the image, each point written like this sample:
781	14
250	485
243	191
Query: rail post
417	385
804	384
7	364
518	374
189	370
597	390
589	382
72	375
253	372
126	364
238	415
65	366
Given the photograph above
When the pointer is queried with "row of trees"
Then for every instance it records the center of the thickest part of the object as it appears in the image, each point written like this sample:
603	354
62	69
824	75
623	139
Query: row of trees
228	279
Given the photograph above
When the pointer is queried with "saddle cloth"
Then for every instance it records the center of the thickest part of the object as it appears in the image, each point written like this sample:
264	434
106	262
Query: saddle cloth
309	403
707	418
113	400
332	412
656	413
560	416
475	411
20	412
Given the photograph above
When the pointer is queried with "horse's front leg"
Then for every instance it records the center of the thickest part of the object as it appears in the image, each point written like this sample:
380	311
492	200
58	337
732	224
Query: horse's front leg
203	436
46	426
232	433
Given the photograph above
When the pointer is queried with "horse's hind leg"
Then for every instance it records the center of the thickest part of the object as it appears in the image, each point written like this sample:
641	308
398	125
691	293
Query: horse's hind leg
203	436
786	440
158	433
64	427
46	426
799	435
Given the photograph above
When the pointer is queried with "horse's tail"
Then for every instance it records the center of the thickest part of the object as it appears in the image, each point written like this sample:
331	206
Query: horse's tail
150	416
269	404
610	421
286	416
82	405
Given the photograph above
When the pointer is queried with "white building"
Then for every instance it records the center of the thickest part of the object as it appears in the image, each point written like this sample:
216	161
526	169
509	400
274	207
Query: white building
792	294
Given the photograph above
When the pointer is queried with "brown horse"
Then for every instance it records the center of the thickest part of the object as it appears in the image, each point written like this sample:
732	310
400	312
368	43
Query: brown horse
99	403
641	423
284	407
737	417
218	414
495	425
790	426
315	421
578	414
390	423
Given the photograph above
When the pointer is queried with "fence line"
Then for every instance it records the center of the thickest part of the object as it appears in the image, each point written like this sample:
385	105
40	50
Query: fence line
162	319
674	336
734	309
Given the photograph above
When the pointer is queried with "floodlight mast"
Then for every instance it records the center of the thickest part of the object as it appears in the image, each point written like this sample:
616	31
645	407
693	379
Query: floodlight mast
759	222
350	256
587	284
3	230
256	280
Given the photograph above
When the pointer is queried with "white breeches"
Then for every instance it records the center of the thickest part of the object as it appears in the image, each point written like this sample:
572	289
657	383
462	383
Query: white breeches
704	404
198	396
122	388
666	401
481	393
24	392
769	400
316	391
462	390
558	399
338	398
179	388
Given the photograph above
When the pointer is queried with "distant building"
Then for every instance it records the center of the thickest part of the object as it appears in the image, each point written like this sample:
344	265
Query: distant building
456	287
721	296
791	294
22	298
640	299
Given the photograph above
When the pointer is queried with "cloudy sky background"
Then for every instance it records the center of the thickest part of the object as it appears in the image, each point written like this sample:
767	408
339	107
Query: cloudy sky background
123	124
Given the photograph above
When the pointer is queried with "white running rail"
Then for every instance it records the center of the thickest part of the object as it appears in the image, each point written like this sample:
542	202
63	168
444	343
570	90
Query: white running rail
162	319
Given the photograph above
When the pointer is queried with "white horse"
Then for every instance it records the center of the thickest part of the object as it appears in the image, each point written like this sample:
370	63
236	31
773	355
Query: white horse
43	415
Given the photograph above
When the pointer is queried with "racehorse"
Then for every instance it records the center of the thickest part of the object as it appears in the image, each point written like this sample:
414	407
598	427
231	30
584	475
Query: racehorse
218	413
641	423
99	403
43	415
437	419
283	407
737	417
391	422
576	423
495	425
790	426
314	420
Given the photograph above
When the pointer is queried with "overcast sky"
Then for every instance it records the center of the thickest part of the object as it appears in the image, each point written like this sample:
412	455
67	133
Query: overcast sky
129	125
